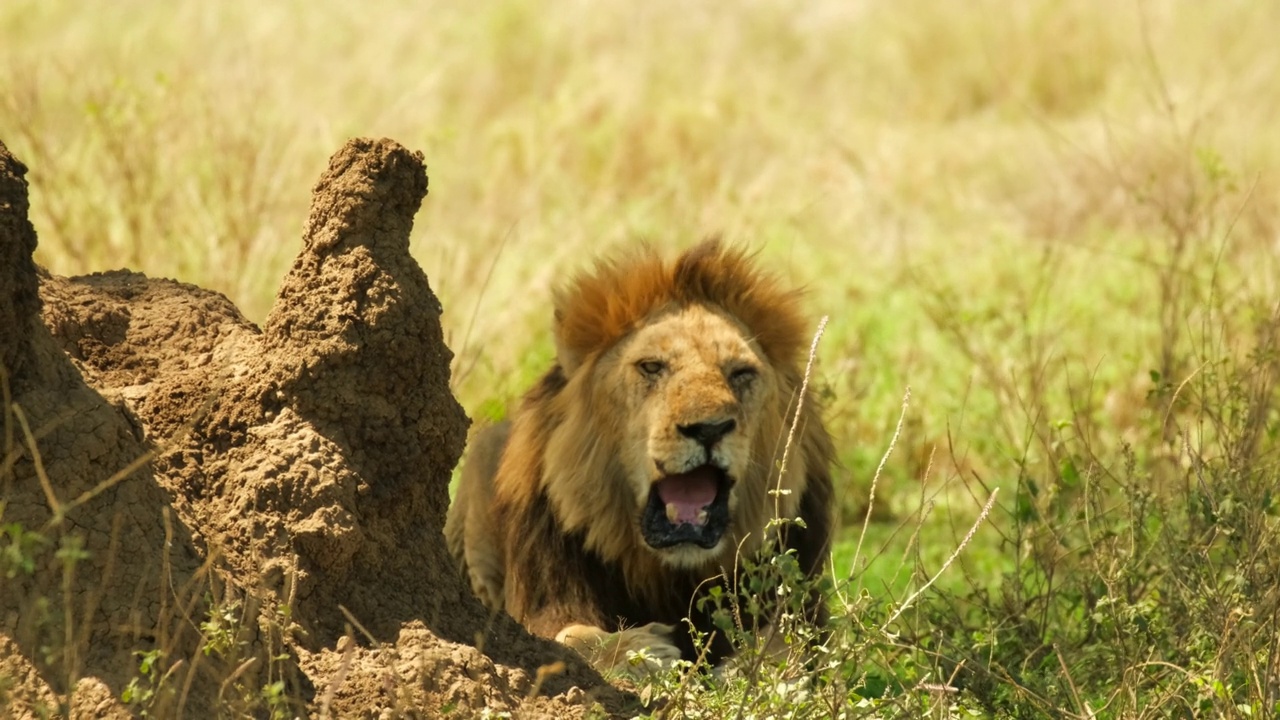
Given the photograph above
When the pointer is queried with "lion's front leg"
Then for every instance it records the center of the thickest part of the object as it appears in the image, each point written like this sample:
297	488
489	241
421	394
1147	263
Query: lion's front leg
609	651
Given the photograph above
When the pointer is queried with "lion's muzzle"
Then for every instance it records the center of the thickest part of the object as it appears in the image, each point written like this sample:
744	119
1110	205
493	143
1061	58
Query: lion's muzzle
690	507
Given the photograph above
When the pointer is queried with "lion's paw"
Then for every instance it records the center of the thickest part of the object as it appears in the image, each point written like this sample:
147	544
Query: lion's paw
637	650
655	638
649	648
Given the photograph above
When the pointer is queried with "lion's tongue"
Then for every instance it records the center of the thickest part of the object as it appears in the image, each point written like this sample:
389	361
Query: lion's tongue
686	494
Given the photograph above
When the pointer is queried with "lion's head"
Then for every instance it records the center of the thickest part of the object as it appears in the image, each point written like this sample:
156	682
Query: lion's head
680	382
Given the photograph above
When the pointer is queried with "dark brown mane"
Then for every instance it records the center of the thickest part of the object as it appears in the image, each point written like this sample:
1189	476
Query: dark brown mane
598	308
553	532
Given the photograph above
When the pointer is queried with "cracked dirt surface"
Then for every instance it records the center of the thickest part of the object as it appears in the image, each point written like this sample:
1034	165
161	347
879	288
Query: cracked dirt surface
293	478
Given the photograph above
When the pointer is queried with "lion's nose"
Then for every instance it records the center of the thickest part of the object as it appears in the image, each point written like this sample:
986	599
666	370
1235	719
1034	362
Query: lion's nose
707	434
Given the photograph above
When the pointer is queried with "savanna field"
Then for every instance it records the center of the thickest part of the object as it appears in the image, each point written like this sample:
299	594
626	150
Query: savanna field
1046	236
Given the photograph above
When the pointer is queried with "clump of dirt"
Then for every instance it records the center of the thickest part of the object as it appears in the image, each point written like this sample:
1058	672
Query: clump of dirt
295	477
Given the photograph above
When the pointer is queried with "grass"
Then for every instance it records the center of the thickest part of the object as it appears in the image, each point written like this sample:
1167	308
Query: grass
1056	222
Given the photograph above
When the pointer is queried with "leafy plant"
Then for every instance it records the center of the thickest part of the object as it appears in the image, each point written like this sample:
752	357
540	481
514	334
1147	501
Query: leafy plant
144	688
18	548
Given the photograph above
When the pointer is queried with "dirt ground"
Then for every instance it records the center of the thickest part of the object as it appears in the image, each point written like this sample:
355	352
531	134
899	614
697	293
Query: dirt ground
290	481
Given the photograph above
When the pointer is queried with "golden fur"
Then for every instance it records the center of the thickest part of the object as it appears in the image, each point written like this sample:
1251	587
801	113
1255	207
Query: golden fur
547	519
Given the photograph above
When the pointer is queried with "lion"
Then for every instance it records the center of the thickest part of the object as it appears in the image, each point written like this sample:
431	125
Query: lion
631	476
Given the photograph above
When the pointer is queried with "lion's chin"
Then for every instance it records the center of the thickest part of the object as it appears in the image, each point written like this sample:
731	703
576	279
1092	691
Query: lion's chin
689	557
687	514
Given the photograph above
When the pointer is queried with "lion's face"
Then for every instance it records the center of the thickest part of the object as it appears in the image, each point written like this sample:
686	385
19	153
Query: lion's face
693	388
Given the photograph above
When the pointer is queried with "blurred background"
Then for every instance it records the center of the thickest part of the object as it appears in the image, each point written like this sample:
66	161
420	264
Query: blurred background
1056	221
1039	216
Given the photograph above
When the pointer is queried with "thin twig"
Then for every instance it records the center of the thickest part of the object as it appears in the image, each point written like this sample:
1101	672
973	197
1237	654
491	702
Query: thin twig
463	372
986	509
356	623
1178	391
109	483
875	479
777	492
340	675
235	674
1071	683
55	507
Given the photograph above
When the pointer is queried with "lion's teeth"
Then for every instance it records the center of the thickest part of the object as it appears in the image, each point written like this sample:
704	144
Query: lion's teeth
702	517
673	512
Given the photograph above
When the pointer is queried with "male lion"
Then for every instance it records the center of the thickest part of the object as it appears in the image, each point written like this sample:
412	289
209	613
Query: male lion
640	465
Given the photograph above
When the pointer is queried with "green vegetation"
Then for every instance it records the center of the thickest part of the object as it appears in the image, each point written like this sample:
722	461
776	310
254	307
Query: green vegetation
1056	222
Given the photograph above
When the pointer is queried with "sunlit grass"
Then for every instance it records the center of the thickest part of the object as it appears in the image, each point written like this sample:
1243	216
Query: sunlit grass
1022	211
860	144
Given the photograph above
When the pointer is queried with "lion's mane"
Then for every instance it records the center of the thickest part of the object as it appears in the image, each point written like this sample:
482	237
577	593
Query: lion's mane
584	564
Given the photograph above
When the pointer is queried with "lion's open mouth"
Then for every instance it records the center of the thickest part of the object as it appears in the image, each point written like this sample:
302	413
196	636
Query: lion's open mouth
689	507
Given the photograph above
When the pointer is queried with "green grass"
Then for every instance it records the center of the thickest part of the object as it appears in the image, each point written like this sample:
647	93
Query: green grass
896	558
1055	221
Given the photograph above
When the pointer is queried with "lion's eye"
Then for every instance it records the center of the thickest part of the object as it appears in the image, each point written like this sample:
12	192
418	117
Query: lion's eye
651	368
743	376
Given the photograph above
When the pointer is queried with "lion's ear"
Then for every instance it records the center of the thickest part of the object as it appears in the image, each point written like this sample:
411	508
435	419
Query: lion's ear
569	358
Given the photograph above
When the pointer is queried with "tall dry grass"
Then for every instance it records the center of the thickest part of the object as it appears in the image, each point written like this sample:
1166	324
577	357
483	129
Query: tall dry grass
1056	221
855	142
